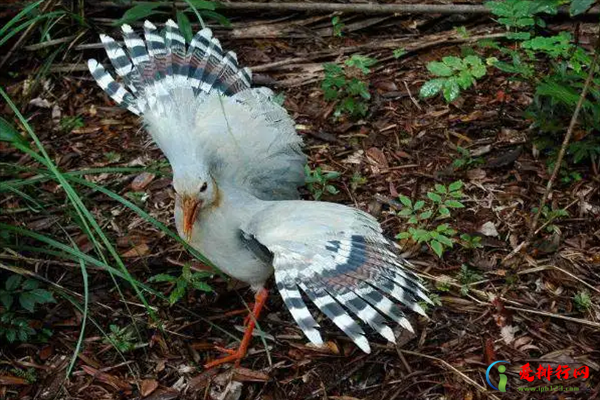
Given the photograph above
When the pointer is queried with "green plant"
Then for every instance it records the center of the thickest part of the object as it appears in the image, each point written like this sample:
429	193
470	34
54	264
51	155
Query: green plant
186	282
28	374
67	124
462	32
317	181
423	213
399	52
443	285
123	339
467	277
548	216
465	160
453	74
200	8
583	301
345	85
338	26
18	298
470	241
357	180
435	299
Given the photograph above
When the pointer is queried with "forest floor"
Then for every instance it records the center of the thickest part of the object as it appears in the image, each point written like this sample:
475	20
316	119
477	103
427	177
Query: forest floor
495	302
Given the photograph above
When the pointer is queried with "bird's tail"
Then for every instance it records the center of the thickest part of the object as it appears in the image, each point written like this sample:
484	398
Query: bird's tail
160	64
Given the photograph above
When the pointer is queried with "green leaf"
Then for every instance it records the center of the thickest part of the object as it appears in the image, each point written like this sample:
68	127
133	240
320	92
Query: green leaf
442	227
203	5
413	220
30	284
440	188
465	80
453	62
27	301
436	198
331	189
11	335
418	205
580	6
202	286
432	87
405	212
162	278
445	240
559	93
185	26
453	204
9	134
137	12
405	201
444	212
42	296
439	69
437	247
451	90
454	186
220	18
6	299
178	292
426	214
403	235
332	175
399	53
13	282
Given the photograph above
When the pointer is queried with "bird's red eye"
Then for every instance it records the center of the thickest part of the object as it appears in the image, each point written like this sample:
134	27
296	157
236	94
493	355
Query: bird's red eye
203	188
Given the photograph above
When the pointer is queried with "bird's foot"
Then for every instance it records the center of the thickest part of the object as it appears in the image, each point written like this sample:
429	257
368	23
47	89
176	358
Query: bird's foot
240	352
234	355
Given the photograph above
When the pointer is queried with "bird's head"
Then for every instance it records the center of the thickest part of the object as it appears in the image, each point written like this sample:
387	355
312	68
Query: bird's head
196	191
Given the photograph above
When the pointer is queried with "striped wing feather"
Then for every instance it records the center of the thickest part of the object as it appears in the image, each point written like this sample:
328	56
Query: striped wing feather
338	257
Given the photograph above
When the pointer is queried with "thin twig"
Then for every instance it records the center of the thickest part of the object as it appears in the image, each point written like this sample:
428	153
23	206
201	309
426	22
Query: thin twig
454	369
567	139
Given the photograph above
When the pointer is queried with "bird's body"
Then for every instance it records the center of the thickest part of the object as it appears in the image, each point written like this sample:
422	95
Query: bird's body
237	164
222	224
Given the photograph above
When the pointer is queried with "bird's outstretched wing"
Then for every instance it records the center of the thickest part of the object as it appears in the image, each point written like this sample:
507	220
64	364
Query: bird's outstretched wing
197	103
339	258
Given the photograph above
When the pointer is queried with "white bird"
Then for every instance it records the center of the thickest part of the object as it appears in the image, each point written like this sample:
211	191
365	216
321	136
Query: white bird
237	164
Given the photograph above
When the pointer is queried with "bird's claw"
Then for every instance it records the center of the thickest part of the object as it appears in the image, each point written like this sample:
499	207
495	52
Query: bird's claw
234	355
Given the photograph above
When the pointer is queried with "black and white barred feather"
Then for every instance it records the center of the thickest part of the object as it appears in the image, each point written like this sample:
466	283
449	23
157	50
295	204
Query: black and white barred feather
152	68
338	257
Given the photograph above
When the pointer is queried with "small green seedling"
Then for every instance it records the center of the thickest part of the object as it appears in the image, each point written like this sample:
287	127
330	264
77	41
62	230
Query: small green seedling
185	282
317	181
345	84
467	277
423	213
453	75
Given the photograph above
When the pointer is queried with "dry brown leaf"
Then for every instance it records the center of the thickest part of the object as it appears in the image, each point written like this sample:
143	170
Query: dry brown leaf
248	375
10	380
111	380
378	157
147	387
141	181
138	251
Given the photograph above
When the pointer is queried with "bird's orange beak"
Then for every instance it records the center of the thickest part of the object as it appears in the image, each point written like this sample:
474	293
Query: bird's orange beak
191	207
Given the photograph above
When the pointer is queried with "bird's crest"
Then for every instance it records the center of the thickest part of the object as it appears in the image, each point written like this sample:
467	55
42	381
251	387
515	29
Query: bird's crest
153	68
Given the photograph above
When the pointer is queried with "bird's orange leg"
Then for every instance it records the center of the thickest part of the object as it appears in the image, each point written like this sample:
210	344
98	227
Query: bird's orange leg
237	355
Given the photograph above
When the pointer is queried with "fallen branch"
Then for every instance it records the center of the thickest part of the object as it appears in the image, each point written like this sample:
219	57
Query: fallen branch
365	8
